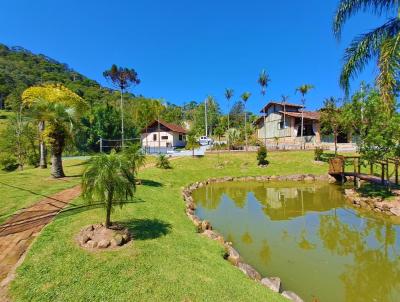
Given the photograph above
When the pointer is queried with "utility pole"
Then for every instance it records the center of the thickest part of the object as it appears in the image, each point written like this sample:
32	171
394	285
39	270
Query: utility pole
122	120
205	116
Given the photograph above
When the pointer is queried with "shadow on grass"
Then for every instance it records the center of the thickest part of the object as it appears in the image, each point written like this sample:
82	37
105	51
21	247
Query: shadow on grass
150	183
144	229
78	164
76	209
374	190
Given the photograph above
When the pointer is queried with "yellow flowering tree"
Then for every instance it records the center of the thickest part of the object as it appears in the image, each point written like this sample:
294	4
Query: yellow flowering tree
56	109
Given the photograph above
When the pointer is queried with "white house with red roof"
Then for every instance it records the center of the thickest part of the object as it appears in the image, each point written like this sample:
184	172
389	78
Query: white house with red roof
160	134
282	122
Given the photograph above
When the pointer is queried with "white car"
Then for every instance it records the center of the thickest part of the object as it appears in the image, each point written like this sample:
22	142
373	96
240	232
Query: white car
204	140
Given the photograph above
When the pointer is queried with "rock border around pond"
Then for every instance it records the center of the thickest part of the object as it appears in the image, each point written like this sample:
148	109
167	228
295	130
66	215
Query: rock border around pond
205	228
376	204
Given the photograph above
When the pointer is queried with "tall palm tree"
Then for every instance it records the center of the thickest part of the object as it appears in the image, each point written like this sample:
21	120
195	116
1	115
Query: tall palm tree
263	80
381	44
58	109
284	99
245	97
303	89
228	95
108	179
122	78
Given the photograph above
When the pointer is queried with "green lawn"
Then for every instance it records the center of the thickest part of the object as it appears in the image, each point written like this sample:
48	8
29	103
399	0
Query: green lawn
168	260
21	189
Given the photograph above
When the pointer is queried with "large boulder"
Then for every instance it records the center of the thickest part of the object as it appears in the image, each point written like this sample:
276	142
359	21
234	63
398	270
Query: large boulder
233	255
273	283
205	225
103	244
249	271
395	211
292	296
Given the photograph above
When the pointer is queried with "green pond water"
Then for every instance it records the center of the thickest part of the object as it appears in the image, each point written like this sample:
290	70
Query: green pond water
305	233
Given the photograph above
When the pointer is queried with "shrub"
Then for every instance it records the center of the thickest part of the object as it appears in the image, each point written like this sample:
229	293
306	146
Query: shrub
318	151
163	162
8	162
262	156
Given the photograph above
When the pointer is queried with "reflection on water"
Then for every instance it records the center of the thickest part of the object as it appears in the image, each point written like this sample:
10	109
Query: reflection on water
305	234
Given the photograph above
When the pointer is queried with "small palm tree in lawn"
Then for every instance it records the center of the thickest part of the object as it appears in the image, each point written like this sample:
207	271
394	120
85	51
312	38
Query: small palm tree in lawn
263	80
192	142
245	97
303	89
228	95
135	157
122	78
56	109
381	44
110	180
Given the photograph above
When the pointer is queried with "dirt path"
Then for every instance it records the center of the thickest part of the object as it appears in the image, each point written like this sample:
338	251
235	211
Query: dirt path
17	233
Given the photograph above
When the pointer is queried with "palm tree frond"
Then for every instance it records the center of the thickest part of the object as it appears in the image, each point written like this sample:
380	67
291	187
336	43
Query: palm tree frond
348	8
389	64
364	48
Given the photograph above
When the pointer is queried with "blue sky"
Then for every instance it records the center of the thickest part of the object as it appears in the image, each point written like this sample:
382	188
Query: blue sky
185	50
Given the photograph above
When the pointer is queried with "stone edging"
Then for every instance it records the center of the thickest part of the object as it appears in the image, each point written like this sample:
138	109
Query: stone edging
375	204
205	228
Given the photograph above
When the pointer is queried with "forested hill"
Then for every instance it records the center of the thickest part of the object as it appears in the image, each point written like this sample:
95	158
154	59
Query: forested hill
20	68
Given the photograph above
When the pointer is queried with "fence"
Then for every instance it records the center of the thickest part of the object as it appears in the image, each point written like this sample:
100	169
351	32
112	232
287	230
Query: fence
106	145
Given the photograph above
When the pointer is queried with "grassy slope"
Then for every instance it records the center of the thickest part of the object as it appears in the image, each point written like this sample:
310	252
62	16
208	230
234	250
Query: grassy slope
168	260
4	118
23	188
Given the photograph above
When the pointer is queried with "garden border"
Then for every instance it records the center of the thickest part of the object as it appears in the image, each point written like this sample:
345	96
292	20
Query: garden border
205	228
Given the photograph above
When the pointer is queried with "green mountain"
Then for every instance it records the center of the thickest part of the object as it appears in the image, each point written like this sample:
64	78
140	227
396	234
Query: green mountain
20	68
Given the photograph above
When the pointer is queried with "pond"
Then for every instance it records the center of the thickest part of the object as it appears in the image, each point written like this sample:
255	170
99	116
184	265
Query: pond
305	233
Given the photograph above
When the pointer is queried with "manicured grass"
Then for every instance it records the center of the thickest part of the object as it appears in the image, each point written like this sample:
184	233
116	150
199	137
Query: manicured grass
168	260
20	189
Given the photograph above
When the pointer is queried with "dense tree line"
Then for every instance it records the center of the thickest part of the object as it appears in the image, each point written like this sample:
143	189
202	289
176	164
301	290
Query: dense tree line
21	137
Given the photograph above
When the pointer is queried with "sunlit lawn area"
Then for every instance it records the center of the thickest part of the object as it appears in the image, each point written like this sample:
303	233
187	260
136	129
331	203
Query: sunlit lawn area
168	260
21	189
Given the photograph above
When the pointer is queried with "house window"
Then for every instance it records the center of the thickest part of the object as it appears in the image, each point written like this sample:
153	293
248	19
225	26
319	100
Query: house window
164	137
154	137
283	125
308	130
180	137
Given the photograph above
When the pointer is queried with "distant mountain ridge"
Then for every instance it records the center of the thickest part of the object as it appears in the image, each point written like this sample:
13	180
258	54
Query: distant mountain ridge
20	68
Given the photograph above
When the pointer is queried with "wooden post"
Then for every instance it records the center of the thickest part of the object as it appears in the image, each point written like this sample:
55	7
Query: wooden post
382	173
343	167
371	168
359	166
396	171
355	172
387	172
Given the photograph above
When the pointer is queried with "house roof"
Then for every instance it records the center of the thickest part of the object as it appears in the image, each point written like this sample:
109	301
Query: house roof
266	107
310	115
172	127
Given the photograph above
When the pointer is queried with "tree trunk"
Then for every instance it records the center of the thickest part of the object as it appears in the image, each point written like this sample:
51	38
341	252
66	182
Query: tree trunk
108	210
122	120
57	170
57	146
42	147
